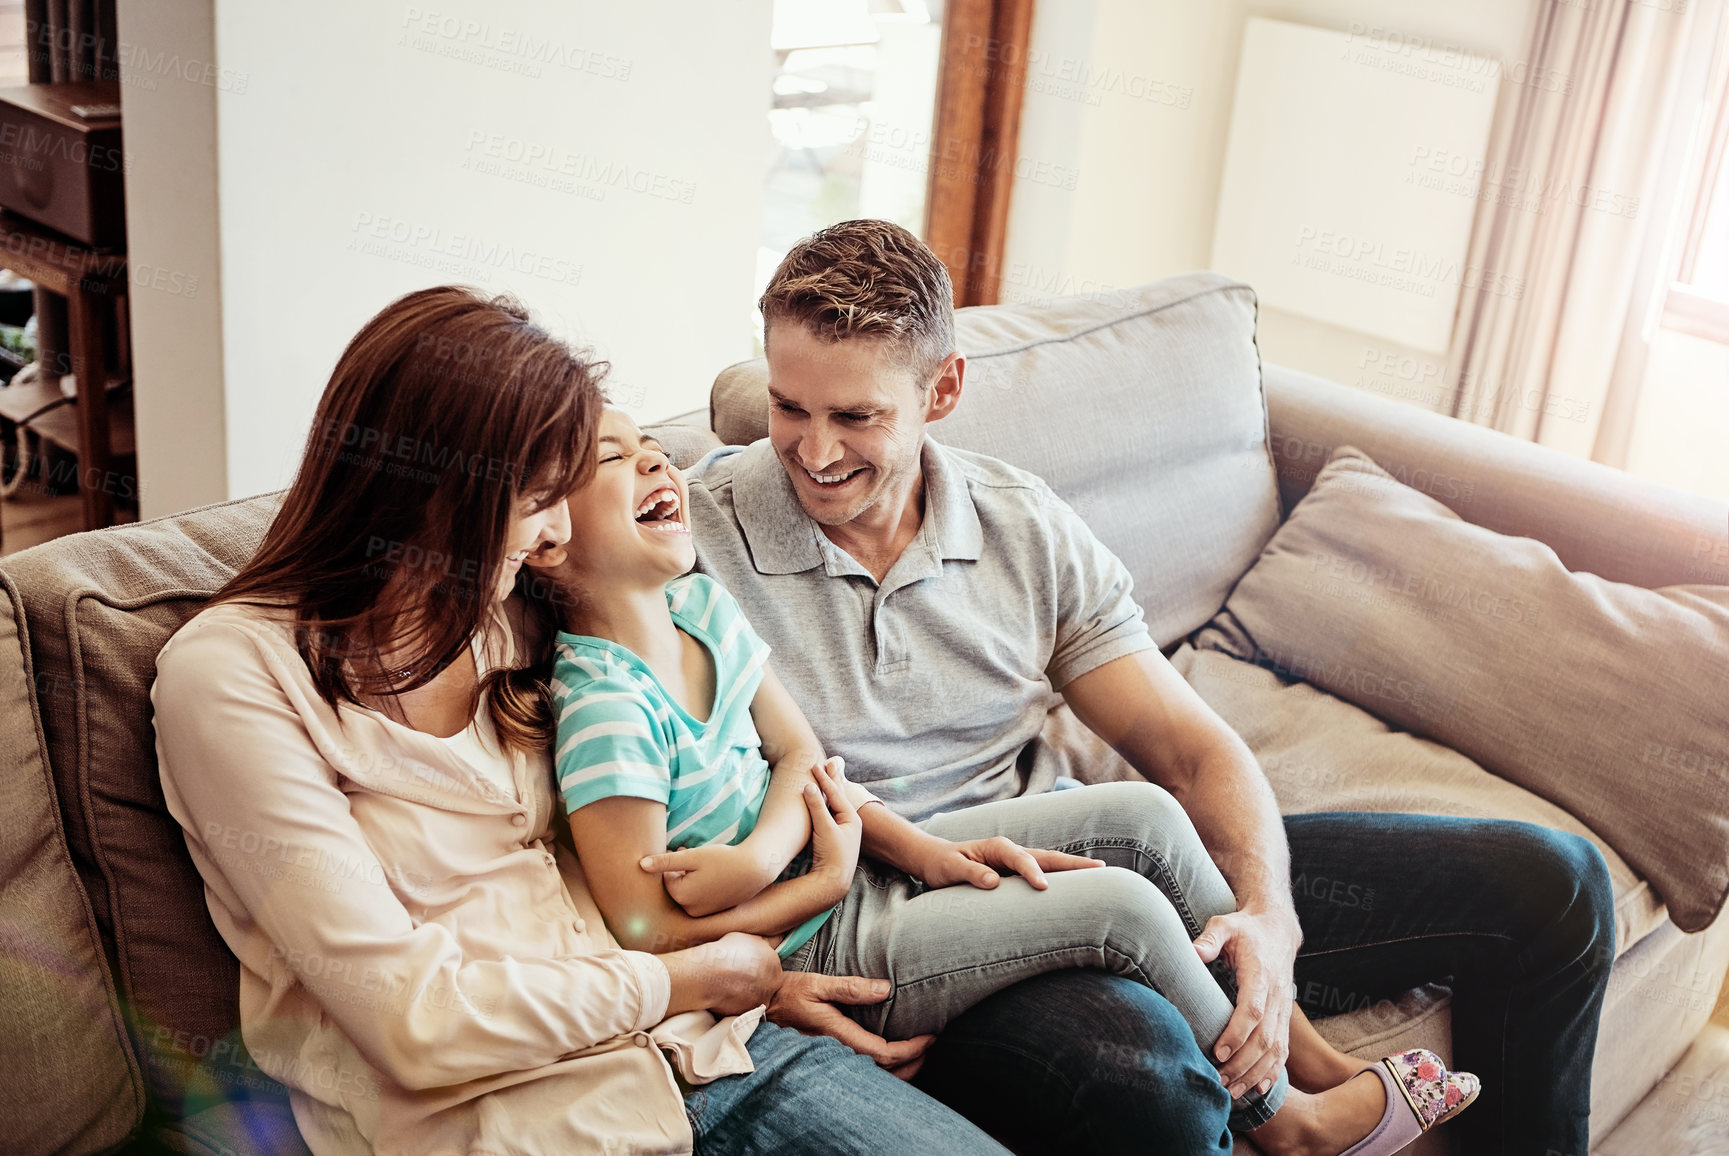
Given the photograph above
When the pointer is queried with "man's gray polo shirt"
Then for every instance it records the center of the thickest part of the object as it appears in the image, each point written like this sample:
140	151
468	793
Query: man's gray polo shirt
934	684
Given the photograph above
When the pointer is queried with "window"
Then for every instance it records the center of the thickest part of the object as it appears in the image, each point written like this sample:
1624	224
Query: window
1698	301
850	118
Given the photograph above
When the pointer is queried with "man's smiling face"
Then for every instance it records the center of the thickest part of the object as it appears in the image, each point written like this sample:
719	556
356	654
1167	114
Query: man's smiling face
847	421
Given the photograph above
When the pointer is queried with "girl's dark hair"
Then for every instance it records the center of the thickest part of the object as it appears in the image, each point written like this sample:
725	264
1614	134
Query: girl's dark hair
444	411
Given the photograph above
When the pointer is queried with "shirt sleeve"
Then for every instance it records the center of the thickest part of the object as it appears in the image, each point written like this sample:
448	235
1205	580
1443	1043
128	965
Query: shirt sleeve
744	649
1098	619
242	776
609	742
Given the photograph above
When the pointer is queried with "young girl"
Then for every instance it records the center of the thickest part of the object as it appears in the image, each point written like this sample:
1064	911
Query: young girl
674	734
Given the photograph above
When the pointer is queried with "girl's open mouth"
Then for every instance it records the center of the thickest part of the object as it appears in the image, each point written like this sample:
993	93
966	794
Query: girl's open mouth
660	512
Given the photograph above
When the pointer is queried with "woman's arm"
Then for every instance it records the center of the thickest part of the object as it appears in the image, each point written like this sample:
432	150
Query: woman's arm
730	976
614	835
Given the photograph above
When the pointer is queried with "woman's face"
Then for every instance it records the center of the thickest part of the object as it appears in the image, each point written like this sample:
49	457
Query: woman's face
531	530
628	523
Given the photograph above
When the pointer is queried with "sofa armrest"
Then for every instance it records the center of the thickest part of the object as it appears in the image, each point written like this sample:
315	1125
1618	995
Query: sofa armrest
1595	518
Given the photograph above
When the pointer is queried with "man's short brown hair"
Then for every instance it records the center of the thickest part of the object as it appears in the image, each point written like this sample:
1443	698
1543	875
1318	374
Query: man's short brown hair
871	279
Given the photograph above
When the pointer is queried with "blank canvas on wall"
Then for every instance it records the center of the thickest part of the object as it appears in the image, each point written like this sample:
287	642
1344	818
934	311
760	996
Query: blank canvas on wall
1352	176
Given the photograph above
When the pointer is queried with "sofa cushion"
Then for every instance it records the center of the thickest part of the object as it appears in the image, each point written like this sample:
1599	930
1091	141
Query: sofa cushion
1142	408
1602	697
685	444
1321	753
1660	996
71	1083
99	606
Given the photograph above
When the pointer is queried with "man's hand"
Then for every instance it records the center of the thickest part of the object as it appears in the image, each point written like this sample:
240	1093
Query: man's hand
981	863
806	1001
704	880
1262	949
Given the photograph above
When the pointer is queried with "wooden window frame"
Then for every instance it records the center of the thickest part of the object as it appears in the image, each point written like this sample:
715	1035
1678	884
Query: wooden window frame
980	86
1685	308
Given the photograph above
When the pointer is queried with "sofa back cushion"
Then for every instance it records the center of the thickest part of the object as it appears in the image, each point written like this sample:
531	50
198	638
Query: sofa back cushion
98	607
72	1085
1602	697
1141	407
684	444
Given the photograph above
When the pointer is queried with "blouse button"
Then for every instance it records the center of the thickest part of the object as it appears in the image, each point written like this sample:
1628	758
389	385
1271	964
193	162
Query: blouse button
519	820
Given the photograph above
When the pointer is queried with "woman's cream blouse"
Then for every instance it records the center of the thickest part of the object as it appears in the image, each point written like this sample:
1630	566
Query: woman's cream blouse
420	961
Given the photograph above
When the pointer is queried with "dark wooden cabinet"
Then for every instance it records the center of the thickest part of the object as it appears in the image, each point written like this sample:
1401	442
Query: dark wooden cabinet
62	165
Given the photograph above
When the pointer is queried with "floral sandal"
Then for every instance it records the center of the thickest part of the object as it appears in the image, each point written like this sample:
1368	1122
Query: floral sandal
1421	1093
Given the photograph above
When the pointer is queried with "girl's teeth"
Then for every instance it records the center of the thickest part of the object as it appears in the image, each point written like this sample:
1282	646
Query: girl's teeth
670	497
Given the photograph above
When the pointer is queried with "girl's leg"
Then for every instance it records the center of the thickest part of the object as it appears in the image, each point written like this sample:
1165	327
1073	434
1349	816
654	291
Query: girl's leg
1140	827
947	949
1314	1064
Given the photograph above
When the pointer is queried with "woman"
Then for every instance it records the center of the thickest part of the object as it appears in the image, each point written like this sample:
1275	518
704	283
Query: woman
362	773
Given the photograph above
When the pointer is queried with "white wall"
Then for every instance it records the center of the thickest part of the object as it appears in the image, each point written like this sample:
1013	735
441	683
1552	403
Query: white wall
173	251
351	164
598	160
1129	102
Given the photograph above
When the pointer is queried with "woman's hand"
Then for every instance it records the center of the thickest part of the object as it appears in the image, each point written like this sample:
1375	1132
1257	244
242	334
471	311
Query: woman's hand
835	829
704	880
980	862
731	975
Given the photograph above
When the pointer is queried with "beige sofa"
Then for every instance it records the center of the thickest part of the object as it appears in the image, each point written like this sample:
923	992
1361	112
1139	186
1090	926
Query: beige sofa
1148	409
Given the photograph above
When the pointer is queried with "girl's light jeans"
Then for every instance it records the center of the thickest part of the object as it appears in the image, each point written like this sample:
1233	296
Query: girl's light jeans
948	948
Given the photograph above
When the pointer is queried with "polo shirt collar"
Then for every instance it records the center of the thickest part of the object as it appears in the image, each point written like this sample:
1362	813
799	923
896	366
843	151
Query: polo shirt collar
950	517
781	536
783	539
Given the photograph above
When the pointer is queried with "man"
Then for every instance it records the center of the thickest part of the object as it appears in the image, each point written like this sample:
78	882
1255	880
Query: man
922	602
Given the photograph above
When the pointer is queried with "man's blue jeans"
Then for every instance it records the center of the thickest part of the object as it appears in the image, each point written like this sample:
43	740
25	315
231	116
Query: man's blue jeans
1518	919
812	1094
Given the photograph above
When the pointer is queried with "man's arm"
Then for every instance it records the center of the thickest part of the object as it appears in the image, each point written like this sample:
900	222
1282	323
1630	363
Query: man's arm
1152	717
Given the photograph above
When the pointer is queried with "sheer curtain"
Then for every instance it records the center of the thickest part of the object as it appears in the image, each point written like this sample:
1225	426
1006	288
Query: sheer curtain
1569	198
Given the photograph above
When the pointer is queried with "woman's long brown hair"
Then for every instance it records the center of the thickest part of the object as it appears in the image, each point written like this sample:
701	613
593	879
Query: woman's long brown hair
444	411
